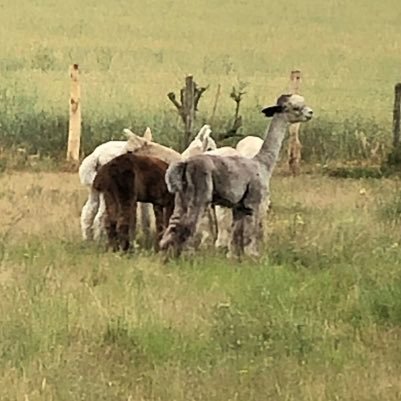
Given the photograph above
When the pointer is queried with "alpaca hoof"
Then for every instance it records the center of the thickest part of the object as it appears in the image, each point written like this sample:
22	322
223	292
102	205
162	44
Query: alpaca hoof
169	254
253	258
221	246
165	242
233	256
87	236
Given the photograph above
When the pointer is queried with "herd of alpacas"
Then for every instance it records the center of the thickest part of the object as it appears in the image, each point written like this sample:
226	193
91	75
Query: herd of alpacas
191	193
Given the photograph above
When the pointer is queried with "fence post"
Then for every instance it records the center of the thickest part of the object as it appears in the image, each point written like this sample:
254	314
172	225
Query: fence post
397	116
74	129
294	145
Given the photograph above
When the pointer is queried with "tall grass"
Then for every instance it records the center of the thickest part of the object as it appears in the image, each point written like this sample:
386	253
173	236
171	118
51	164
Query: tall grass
317	318
133	53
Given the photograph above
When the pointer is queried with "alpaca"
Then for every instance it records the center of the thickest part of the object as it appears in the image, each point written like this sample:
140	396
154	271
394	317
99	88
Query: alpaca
126	180
201	143
209	226
94	209
249	146
232	181
93	212
246	147
221	226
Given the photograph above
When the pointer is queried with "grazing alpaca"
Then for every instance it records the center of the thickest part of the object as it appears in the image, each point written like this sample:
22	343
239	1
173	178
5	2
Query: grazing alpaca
93	212
231	181
126	180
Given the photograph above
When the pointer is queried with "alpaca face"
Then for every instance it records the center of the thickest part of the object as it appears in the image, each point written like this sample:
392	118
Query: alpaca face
296	110
291	107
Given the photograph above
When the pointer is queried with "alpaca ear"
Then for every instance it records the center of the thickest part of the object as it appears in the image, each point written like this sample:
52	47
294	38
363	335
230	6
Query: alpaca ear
204	133
133	141
148	135
272	110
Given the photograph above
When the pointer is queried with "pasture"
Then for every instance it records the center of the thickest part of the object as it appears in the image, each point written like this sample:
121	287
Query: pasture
132	53
318	318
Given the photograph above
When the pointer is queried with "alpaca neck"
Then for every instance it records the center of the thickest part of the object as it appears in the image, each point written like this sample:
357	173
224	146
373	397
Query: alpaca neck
268	154
164	153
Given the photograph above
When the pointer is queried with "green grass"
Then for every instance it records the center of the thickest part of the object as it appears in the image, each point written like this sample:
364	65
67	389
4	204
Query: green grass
318	317
133	53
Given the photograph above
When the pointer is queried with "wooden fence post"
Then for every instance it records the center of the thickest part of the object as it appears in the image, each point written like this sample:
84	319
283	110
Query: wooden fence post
74	130
294	146
397	116
187	107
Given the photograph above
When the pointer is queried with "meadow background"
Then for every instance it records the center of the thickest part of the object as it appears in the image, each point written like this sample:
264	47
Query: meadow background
317	319
132	53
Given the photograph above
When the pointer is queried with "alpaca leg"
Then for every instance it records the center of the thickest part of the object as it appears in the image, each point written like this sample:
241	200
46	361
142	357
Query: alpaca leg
191	223
237	236
88	214
174	229
160	220
208	228
99	221
198	196
224	218
111	222
253	205
167	213
144	209
190	205
214	226
127	225
251	235
111	230
202	236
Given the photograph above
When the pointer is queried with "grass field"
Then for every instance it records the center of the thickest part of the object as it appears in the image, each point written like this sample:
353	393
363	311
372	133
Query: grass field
133	52
318	319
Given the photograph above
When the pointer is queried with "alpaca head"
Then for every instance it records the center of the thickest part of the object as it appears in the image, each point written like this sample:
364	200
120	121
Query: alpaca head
204	137
203	142
136	142
290	107
146	147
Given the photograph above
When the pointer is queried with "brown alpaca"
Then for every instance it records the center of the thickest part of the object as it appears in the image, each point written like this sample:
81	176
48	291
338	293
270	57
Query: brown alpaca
126	180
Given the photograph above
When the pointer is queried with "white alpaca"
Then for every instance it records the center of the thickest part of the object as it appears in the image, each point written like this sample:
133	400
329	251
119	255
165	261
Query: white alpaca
93	212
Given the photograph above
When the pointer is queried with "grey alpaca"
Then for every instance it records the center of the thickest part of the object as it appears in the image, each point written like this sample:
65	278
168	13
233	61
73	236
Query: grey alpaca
231	181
